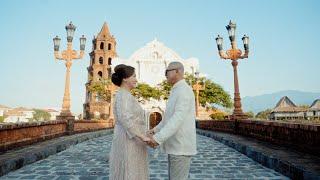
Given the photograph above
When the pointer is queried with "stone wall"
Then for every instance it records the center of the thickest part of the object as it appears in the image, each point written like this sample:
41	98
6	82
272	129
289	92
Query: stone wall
303	137
219	125
17	135
92	125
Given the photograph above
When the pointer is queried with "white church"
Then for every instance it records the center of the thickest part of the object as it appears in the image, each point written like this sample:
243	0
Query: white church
150	63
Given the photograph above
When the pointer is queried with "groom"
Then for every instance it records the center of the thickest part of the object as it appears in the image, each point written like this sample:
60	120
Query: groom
176	133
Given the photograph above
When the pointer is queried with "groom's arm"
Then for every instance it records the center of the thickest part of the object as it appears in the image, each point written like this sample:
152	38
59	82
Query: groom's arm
174	123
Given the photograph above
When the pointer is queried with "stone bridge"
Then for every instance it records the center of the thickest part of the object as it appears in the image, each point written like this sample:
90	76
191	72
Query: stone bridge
222	153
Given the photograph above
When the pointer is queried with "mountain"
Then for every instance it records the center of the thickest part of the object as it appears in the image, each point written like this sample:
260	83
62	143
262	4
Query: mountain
265	101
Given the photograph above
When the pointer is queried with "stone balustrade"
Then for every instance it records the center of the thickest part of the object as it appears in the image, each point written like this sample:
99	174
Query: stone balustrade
303	137
22	134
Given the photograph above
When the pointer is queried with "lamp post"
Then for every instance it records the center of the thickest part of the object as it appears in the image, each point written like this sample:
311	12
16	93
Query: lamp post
197	87
234	55
68	56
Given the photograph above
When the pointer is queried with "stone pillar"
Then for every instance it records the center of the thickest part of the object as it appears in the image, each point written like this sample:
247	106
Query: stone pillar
70	123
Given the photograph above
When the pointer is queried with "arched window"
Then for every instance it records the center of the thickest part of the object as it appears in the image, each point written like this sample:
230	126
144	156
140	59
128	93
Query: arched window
100	74
101	60
154	119
109	61
102	45
109	46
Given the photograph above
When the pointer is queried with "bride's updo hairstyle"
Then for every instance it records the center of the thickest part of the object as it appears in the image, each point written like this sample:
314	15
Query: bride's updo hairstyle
121	72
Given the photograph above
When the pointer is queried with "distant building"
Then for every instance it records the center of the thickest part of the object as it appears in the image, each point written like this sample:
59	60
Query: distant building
53	113
314	110
287	110
17	115
27	112
4	109
14	116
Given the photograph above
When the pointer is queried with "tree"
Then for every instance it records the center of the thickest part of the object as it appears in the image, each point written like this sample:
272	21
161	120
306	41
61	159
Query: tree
164	88
1	119
217	115
145	92
40	115
264	114
100	89
304	106
250	114
212	95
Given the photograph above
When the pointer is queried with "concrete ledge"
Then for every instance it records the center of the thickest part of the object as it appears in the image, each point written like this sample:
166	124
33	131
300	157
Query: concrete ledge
293	164
15	159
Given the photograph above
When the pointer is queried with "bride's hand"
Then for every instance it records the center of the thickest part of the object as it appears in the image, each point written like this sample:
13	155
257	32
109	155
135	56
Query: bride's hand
145	139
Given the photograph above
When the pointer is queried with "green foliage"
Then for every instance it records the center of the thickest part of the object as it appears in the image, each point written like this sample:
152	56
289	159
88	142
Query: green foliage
1	119
305	106
264	114
165	88
145	92
250	114
217	116
100	89
212	94
40	115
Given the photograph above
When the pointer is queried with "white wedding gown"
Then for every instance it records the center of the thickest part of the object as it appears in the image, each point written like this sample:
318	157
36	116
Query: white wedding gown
128	156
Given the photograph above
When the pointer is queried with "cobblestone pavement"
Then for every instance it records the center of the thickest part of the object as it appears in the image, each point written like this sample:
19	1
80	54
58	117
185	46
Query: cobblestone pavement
88	160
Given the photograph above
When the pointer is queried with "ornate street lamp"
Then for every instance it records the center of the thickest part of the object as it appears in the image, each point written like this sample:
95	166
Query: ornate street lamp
234	54
68	55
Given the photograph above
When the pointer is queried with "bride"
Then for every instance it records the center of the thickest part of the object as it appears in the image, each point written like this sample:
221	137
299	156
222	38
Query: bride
128	156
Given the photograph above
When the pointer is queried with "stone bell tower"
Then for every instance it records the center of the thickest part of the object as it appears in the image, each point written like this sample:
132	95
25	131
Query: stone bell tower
103	52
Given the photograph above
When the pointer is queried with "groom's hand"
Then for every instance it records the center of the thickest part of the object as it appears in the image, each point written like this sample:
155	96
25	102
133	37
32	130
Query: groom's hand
152	143
149	141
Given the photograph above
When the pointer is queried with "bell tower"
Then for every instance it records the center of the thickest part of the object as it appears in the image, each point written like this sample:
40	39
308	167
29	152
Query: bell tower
101	56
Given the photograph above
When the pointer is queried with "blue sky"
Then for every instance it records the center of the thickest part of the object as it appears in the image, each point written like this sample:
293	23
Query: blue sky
284	43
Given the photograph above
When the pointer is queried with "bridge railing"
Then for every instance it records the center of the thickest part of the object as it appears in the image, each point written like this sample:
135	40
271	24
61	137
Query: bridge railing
303	137
17	135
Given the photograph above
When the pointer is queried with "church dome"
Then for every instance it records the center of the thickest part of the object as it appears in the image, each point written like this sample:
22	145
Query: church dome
155	50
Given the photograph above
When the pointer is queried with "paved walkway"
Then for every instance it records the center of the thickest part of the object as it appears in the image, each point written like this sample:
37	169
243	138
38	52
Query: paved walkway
88	160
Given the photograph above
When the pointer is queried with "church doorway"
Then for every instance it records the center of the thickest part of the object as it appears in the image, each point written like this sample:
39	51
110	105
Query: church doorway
154	119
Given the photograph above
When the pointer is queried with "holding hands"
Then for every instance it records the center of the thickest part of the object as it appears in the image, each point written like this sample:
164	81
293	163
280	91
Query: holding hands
148	139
